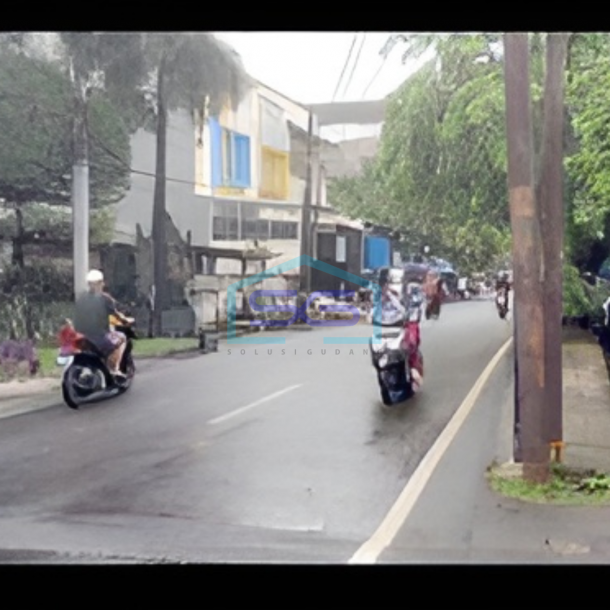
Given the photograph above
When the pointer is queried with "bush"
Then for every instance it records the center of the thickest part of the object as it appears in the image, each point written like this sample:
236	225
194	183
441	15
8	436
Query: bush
580	299
41	281
597	296
576	298
47	318
13	354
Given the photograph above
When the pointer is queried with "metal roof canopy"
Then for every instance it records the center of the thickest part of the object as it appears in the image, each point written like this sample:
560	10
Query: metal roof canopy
233	253
350	113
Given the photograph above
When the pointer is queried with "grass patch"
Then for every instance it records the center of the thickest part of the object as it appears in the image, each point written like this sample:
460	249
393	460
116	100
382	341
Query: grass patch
163	346
48	367
564	487
142	348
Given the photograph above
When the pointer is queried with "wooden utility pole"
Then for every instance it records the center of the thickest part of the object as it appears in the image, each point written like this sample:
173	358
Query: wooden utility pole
305	273
527	261
549	195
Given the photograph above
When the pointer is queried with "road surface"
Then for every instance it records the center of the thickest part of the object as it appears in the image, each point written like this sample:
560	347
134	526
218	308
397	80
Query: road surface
246	455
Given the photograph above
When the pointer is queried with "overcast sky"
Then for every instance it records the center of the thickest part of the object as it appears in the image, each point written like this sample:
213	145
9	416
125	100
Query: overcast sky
306	66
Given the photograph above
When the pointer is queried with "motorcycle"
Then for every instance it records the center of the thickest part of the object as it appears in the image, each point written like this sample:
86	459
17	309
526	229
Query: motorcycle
397	359
86	377
502	303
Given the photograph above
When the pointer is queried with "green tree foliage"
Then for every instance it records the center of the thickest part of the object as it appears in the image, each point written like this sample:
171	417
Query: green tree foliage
589	166
36	139
36	156
440	176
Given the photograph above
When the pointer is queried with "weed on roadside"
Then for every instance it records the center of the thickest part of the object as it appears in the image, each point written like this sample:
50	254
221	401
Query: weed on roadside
565	486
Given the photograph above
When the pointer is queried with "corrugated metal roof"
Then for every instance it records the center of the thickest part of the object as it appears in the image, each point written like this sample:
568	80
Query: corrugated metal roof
350	113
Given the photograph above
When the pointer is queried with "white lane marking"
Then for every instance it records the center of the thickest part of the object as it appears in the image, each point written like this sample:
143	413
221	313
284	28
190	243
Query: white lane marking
370	551
241	410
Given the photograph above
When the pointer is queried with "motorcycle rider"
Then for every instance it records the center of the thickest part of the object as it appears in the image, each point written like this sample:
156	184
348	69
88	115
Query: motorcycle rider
502	288
390	299
503	283
433	288
92	312
396	311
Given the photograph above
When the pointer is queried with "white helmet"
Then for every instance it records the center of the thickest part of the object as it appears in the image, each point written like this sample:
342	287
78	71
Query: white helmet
95	276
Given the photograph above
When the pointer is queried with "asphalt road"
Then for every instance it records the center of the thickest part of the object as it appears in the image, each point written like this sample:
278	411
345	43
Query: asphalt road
260	456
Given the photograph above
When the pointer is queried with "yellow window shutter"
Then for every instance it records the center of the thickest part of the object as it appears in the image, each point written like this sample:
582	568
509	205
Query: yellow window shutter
267	178
286	176
275	179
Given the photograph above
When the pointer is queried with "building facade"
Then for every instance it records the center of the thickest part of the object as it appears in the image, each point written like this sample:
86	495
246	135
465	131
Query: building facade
236	186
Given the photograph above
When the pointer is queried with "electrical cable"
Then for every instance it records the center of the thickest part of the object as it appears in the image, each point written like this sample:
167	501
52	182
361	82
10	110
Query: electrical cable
383	62
351	76
349	56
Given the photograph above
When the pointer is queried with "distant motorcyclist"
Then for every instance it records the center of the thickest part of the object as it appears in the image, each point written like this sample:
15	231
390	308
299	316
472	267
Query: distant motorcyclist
433	288
92	319
502	291
503	282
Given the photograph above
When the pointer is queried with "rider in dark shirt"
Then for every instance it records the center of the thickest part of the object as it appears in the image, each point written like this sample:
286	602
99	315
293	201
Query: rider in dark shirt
93	309
503	283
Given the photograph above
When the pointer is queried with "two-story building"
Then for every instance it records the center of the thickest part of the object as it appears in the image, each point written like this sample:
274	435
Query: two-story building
236	186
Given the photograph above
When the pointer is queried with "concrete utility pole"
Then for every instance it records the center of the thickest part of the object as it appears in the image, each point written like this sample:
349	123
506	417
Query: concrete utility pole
305	274
80	191
527	262
549	194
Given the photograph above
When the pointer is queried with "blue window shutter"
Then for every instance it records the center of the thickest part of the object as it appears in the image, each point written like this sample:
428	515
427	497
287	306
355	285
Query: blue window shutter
377	252
246	161
216	151
241	147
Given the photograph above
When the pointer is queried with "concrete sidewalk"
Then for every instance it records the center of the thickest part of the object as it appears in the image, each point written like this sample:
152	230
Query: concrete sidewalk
586	402
458	518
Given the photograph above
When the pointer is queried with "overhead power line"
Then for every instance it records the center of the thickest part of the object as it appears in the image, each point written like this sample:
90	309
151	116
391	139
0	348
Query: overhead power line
349	56
385	52
383	62
351	76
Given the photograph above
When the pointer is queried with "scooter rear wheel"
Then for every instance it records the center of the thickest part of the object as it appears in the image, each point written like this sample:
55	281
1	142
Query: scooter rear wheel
69	386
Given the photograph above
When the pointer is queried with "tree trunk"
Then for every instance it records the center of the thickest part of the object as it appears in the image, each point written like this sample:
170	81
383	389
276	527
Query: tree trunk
18	258
159	224
80	188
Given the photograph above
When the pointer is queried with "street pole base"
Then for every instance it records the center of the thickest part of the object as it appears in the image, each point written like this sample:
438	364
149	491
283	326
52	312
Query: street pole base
536	473
557	451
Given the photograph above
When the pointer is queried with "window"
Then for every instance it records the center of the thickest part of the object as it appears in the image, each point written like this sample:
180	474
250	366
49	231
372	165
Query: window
252	226
238	221
226	229
255	229
275	174
230	157
340	249
284	230
240	168
225	226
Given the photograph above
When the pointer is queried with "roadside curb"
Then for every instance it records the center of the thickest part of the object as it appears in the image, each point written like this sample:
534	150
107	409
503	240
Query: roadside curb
15	390
505	441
